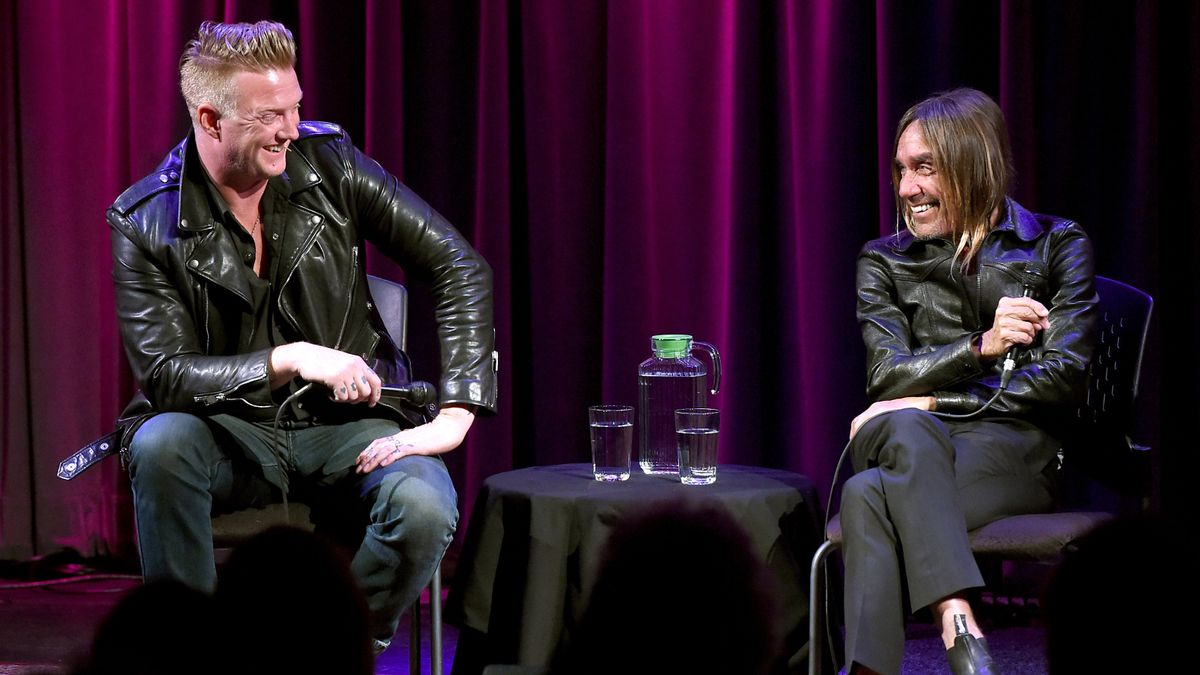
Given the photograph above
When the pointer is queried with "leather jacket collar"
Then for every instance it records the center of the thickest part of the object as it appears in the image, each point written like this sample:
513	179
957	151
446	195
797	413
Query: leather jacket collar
183	166
1017	220
213	256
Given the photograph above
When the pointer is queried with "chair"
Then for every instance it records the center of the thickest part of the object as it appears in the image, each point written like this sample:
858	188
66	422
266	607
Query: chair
1109	466
230	529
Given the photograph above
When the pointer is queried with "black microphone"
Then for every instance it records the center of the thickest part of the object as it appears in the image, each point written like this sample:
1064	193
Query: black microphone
416	392
1034	278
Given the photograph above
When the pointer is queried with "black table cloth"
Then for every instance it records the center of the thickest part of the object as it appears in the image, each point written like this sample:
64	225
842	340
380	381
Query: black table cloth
537	535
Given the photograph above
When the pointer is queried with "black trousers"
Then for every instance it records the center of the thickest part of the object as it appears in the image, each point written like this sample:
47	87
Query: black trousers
921	484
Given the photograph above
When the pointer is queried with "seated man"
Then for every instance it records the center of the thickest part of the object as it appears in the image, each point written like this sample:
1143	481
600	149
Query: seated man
940	306
240	284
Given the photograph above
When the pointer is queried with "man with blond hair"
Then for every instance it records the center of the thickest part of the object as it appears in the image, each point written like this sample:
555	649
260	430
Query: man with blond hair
979	320
260	355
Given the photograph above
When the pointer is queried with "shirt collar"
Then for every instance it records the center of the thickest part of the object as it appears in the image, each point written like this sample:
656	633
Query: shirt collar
201	205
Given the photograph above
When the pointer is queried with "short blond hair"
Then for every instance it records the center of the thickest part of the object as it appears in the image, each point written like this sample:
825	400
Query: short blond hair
221	50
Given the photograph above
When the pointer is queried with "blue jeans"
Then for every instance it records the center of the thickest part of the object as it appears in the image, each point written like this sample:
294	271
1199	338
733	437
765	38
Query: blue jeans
185	468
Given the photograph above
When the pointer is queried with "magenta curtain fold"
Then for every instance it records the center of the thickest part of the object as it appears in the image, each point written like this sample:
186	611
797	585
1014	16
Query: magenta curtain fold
16	473
559	257
669	224
628	167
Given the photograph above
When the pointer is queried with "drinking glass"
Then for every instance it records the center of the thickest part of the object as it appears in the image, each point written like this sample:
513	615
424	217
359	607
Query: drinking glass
612	440
696	438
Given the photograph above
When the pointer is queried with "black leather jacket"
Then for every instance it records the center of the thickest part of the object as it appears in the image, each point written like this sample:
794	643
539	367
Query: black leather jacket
919	315
181	289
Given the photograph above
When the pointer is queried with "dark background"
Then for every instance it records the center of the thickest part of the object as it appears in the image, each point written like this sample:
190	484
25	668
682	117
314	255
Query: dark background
628	168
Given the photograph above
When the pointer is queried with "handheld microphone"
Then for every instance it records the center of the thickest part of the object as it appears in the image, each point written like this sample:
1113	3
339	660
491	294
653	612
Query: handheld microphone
416	392
1034	278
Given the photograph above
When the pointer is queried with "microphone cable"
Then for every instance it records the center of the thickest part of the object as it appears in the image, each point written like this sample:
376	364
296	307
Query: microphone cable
417	392
277	448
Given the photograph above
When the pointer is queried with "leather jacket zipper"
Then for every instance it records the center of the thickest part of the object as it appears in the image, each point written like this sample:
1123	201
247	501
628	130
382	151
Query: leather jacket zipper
349	296
215	397
295	263
207	332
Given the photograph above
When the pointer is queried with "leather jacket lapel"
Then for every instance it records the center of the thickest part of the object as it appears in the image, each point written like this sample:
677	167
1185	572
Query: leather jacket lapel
304	224
214	258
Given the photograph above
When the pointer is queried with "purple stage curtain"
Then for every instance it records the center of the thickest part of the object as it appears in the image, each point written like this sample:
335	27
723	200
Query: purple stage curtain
628	167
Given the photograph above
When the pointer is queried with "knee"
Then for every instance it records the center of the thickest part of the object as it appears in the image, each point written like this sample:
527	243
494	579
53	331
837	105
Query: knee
861	492
901	438
422	506
904	421
160	448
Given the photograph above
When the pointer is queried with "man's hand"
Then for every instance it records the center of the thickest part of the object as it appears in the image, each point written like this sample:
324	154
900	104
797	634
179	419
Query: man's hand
880	407
441	435
1017	322
347	376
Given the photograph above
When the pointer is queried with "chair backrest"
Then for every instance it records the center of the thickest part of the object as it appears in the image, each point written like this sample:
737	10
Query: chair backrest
1117	364
1103	447
391	299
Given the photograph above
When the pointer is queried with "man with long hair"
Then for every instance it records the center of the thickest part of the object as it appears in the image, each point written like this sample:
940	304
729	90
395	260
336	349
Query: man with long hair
980	309
260	354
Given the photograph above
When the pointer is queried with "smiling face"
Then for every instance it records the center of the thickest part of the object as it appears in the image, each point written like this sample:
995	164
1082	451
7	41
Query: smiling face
254	137
919	186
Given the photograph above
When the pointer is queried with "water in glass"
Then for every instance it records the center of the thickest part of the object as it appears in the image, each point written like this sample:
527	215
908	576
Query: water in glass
611	446
697	455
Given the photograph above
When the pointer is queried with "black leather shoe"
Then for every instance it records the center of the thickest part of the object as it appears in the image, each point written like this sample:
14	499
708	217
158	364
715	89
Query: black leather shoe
969	655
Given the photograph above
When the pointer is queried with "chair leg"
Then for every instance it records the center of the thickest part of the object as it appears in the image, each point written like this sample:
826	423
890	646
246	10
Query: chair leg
414	638
435	612
816	607
435	629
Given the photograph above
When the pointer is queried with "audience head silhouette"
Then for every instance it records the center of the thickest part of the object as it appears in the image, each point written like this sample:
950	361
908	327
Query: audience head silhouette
160	627
289	604
679	590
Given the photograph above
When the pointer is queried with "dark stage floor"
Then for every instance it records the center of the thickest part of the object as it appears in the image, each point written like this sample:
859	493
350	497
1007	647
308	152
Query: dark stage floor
43	629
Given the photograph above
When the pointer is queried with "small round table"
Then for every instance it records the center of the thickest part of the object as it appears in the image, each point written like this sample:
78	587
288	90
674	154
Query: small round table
537	535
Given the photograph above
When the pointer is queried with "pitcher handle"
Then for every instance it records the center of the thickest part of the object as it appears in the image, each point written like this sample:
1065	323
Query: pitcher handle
716	362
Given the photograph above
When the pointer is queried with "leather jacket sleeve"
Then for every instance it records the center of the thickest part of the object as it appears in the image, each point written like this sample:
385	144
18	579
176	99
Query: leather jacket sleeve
417	237
1050	375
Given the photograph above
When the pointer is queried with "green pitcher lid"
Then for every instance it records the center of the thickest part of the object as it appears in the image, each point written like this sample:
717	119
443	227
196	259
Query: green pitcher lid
671	346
